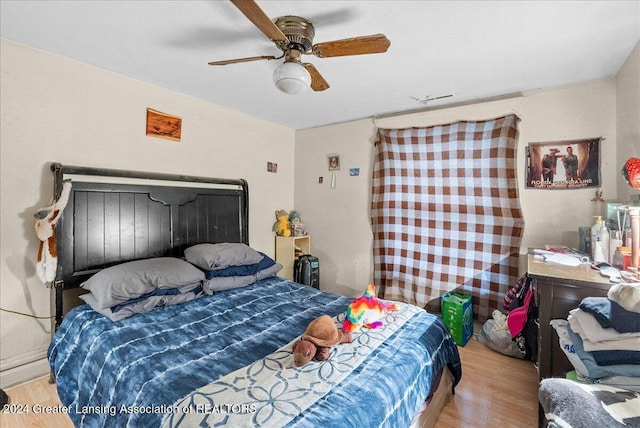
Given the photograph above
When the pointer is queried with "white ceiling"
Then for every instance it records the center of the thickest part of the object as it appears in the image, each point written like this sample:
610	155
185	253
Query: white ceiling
473	50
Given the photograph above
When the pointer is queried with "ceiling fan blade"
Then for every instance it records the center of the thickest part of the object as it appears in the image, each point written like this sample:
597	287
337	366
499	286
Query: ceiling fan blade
332	17
252	11
247	59
318	83
377	43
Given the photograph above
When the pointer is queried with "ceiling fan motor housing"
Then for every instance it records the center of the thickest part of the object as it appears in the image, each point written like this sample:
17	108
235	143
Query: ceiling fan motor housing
299	31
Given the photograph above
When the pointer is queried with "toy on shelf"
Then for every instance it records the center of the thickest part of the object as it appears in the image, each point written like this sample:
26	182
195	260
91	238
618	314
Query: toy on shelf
282	227
297	227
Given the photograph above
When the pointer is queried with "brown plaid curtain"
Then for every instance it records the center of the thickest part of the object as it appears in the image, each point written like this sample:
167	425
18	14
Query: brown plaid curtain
445	212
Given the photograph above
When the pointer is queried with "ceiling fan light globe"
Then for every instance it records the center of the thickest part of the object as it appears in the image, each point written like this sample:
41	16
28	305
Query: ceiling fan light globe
291	78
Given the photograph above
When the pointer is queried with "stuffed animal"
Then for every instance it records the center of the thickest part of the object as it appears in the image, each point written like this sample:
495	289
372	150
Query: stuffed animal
46	219
317	340
366	311
294	217
282	227
295	222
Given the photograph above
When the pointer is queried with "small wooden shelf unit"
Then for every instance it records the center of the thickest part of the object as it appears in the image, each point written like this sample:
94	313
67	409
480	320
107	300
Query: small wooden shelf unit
288	250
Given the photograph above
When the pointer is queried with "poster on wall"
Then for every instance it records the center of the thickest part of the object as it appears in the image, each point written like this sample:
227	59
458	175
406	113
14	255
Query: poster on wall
573	164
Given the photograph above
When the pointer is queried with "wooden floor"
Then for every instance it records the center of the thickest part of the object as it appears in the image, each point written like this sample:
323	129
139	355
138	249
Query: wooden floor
495	391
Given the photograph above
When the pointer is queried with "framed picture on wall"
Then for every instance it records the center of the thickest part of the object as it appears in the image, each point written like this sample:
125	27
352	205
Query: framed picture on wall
334	162
163	125
572	164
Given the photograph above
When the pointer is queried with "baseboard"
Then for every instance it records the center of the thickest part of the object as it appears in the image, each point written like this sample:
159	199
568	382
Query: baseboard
24	373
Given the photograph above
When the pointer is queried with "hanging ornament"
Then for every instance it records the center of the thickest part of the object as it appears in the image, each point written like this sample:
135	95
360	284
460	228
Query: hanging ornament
631	172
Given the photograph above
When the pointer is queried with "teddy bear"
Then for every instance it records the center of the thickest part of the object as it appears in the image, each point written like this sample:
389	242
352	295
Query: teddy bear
282	227
366	311
316	342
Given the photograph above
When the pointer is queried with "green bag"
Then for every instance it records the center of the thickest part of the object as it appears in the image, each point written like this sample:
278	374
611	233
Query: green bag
457	314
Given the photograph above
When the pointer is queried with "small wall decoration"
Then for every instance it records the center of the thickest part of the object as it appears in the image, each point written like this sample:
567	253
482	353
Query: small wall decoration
598	196
272	167
572	164
354	172
163	125
334	162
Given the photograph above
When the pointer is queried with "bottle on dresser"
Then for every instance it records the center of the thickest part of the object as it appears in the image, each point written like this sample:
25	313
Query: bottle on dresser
599	241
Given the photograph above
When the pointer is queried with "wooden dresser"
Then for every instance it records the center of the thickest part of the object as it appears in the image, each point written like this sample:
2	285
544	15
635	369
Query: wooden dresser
560	289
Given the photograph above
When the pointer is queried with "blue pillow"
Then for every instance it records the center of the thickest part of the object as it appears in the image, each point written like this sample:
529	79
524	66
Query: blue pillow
242	270
157	292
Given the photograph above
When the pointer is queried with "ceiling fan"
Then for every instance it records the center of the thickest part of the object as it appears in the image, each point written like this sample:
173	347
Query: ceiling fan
294	36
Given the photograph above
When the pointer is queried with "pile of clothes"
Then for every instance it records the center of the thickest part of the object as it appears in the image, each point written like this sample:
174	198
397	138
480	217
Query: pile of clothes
514	334
601	338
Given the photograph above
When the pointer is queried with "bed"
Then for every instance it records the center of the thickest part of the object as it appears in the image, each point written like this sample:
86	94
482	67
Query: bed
223	357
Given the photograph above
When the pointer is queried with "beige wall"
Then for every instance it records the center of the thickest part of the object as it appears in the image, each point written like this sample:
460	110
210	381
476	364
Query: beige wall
628	118
55	109
338	219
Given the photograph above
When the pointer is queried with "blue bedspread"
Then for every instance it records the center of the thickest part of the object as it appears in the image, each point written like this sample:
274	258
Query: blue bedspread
133	372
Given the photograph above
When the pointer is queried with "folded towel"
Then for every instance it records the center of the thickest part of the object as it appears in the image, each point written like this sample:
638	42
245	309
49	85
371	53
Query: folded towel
566	344
611	315
626	295
630	344
610	358
596	371
586	326
626	382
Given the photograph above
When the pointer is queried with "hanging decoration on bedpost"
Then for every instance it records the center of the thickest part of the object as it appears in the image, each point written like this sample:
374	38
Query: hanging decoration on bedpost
46	219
